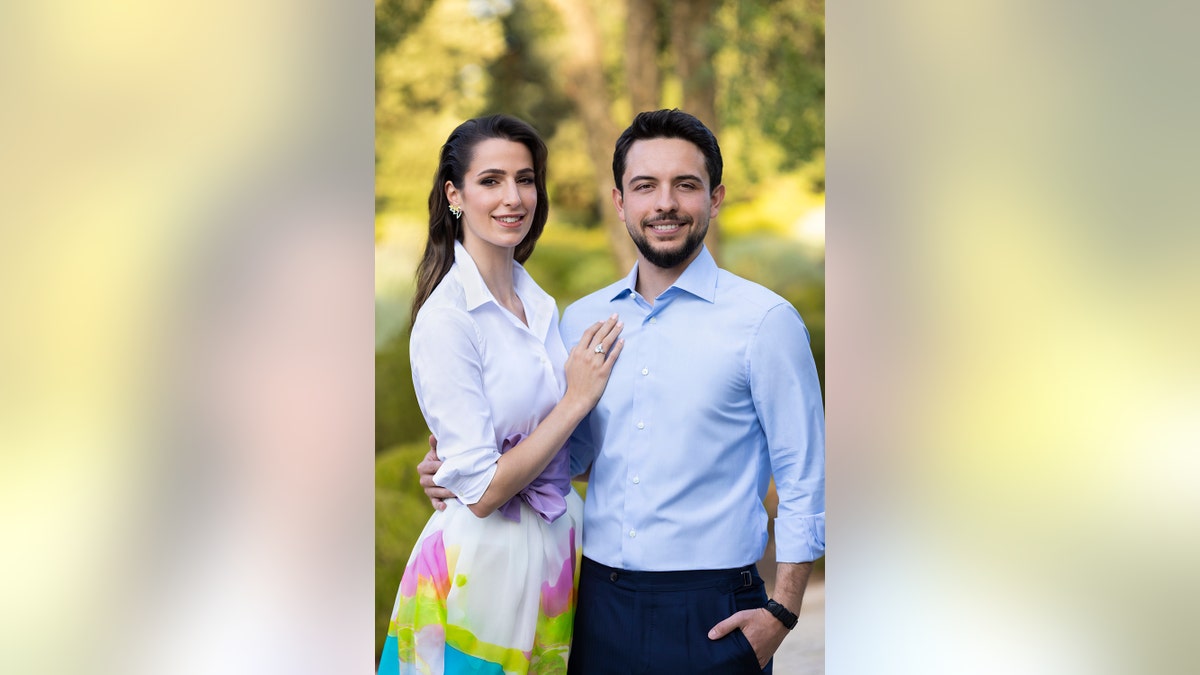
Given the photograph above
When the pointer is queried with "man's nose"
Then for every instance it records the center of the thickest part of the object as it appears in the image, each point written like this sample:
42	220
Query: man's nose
666	199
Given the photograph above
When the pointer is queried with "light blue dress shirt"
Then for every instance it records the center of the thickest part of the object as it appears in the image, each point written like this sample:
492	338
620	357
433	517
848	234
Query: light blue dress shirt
715	390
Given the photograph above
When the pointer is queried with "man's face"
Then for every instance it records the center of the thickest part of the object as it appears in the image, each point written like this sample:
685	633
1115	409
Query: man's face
666	204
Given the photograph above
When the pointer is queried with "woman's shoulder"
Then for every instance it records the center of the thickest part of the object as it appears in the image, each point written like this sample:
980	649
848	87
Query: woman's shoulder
445	310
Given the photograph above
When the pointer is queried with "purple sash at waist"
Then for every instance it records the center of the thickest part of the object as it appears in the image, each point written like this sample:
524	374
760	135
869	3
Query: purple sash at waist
546	495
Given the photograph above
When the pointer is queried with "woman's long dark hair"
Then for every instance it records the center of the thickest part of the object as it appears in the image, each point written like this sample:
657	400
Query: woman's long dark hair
444	228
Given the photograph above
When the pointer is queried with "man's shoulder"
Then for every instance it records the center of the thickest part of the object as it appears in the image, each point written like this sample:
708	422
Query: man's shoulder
749	294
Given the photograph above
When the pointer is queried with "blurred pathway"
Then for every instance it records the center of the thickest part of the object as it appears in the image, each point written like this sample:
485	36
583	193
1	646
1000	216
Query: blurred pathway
803	652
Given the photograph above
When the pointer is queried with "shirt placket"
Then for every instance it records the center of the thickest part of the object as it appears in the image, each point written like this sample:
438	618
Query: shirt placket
638	505
544	362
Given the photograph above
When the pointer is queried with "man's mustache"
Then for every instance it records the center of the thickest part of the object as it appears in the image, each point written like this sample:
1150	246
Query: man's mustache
673	216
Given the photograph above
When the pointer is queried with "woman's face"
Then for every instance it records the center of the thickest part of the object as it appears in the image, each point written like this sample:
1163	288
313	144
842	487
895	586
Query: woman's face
498	196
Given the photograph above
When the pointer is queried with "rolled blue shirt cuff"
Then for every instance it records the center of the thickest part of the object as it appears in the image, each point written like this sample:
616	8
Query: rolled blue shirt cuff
799	539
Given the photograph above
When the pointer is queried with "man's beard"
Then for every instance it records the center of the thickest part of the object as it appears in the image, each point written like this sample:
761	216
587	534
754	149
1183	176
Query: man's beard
671	258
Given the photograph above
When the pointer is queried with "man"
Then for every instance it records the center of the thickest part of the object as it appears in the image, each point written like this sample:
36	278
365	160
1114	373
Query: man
715	392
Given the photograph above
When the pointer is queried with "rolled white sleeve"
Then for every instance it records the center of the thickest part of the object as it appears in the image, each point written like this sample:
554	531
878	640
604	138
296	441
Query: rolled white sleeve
447	369
787	398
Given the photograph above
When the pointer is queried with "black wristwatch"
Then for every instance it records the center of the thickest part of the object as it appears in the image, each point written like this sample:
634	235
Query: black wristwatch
780	612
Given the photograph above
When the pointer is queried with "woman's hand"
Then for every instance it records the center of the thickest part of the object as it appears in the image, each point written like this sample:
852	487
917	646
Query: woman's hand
591	362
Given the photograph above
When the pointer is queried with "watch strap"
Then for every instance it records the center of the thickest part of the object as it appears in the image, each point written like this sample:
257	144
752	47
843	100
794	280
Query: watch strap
786	617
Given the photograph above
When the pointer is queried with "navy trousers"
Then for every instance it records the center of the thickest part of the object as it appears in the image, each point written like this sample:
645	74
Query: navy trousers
658	622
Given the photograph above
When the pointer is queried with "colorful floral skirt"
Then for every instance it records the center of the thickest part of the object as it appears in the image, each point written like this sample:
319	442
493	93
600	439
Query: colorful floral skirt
487	595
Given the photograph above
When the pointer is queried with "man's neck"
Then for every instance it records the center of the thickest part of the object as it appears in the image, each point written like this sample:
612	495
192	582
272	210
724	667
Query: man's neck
652	280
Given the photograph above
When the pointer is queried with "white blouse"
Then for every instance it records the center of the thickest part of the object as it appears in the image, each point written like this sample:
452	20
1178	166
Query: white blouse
481	375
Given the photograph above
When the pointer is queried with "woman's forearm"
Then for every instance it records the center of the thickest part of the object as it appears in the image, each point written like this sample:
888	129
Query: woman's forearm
518	467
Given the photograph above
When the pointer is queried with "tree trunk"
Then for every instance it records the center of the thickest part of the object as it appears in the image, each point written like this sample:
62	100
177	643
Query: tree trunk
641	54
692	44
584	84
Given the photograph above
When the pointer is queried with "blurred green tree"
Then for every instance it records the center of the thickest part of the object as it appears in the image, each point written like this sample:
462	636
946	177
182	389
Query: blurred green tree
771	83
393	20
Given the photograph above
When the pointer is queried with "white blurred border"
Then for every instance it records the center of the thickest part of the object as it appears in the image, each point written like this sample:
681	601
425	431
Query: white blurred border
186	371
1013	382
185	354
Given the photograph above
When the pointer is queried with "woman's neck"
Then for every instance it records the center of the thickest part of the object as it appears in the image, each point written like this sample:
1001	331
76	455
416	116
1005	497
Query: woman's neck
495	265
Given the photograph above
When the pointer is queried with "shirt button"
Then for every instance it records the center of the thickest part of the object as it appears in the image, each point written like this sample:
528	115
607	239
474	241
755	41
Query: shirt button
632	533
654	319
636	480
641	425
645	371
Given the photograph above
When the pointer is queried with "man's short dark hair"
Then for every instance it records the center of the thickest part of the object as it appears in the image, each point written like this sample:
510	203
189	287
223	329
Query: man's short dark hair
669	124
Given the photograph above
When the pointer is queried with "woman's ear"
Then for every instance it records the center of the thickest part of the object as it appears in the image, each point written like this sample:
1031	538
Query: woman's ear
452	194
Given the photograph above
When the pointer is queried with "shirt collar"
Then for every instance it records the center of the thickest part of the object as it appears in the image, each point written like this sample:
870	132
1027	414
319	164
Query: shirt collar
475	292
539	306
699	279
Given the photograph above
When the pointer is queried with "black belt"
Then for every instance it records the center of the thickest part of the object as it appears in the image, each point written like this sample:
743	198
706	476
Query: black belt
727	580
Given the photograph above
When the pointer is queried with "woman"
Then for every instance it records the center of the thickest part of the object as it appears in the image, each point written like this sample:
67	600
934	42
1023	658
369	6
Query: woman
489	587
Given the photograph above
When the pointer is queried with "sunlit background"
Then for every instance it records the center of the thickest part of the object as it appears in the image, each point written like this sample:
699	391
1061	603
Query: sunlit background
188	260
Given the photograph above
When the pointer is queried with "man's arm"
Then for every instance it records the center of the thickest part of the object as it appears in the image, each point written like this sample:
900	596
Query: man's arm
426	469
763	631
787	397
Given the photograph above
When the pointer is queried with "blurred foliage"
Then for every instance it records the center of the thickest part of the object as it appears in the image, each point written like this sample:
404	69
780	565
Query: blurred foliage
572	188
394	18
570	262
771	81
519	77
396	415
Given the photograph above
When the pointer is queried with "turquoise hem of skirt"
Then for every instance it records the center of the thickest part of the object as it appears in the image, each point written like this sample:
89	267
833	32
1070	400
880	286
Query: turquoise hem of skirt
459	662
389	662
455	661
